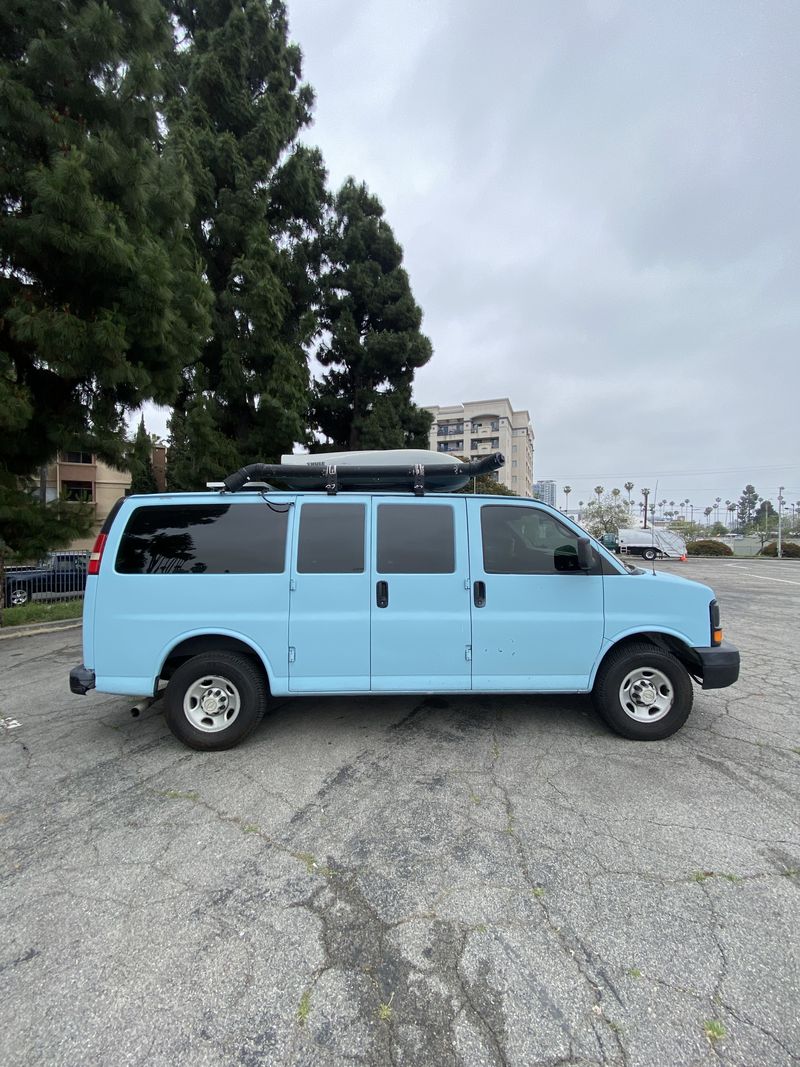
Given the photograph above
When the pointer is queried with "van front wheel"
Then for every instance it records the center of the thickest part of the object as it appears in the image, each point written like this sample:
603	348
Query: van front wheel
215	700
643	692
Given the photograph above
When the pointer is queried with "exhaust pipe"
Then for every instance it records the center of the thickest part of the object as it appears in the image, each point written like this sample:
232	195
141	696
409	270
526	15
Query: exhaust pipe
143	705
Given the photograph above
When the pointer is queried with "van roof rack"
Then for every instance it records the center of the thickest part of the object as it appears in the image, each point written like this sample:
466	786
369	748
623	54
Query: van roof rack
332	478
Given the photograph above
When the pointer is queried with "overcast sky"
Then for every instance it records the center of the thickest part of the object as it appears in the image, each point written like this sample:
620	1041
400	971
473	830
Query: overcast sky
598	204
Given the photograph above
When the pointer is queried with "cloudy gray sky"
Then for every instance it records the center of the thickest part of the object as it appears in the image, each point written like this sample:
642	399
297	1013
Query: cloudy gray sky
598	203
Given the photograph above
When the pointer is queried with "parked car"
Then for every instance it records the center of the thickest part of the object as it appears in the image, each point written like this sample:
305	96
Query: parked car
58	574
231	597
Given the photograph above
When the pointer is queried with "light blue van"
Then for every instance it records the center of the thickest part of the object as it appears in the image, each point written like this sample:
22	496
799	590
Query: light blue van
234	597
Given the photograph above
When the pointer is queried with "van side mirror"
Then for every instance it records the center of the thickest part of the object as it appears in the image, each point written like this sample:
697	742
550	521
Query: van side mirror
585	554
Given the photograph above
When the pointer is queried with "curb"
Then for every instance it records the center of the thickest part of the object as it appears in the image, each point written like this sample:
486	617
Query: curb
29	629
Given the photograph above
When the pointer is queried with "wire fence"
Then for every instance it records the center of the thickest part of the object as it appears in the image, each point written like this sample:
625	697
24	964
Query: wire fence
59	577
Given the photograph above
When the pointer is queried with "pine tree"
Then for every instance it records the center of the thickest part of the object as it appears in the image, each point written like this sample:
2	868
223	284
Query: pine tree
236	108
373	342
140	462
746	507
101	298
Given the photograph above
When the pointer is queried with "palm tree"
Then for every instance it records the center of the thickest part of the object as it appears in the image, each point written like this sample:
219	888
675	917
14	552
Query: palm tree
599	490
616	493
717	502
567	491
707	512
645	494
580	505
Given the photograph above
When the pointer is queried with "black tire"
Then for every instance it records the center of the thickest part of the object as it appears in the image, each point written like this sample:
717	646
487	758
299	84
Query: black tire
244	678
660	672
18	595
649	553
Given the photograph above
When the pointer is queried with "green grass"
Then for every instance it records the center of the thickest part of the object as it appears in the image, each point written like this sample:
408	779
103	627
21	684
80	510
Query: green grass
304	1008
714	1030
177	794
42	612
385	1012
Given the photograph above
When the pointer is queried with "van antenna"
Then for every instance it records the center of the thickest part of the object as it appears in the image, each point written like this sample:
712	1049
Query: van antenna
653	528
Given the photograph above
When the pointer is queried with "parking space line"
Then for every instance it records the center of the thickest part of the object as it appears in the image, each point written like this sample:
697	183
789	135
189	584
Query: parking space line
765	577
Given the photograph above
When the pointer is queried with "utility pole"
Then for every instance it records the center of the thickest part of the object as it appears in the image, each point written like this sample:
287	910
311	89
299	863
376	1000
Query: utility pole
780	511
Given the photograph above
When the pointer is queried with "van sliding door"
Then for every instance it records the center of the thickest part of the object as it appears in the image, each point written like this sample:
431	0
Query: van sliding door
419	595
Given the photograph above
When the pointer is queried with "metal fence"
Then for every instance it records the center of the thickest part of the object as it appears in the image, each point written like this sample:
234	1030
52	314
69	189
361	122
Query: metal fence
58	577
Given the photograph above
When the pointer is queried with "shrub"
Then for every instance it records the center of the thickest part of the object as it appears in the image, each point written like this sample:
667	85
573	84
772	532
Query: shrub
789	550
708	548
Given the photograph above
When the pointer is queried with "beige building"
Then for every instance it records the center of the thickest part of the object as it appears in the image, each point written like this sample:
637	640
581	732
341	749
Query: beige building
82	476
471	430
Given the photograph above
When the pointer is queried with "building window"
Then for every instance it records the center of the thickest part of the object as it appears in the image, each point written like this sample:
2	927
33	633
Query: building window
76	457
77	491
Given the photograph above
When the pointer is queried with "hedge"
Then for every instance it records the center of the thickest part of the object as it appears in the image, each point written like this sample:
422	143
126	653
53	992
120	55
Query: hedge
789	550
708	548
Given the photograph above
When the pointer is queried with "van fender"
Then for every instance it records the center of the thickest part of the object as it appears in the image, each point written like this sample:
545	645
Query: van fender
663	636
187	635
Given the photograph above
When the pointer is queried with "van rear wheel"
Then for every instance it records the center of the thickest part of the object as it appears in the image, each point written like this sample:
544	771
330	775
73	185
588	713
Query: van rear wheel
644	693
215	700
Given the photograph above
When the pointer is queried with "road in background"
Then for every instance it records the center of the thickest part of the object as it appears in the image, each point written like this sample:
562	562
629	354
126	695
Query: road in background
461	880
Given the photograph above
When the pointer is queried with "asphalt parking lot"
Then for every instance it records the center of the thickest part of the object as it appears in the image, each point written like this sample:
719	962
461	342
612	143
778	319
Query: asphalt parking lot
435	881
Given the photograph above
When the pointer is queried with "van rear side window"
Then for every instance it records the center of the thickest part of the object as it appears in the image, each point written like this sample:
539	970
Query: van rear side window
204	539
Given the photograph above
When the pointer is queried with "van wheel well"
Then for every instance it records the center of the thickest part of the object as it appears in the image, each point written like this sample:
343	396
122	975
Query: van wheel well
194	646
665	641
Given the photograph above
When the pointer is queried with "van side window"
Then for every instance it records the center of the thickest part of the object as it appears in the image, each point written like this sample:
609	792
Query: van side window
416	539
331	539
526	541
204	539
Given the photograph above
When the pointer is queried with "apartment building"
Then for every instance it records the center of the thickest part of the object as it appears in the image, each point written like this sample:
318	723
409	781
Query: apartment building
545	491
82	476
472	429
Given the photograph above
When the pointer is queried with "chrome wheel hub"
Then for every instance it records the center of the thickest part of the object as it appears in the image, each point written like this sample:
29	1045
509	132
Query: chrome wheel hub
212	703
646	694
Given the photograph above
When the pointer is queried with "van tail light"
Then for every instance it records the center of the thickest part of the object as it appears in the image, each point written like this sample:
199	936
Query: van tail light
716	629
97	554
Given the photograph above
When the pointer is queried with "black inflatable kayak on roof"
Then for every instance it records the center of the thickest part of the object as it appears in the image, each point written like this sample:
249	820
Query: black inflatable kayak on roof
354	477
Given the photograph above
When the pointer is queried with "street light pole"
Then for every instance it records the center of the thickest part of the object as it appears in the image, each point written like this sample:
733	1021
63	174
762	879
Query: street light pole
780	510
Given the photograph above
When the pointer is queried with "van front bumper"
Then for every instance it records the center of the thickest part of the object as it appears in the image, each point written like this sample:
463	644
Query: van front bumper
81	679
719	665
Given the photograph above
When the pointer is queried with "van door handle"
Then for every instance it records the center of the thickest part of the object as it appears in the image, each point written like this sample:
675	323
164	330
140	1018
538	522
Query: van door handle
479	594
382	594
